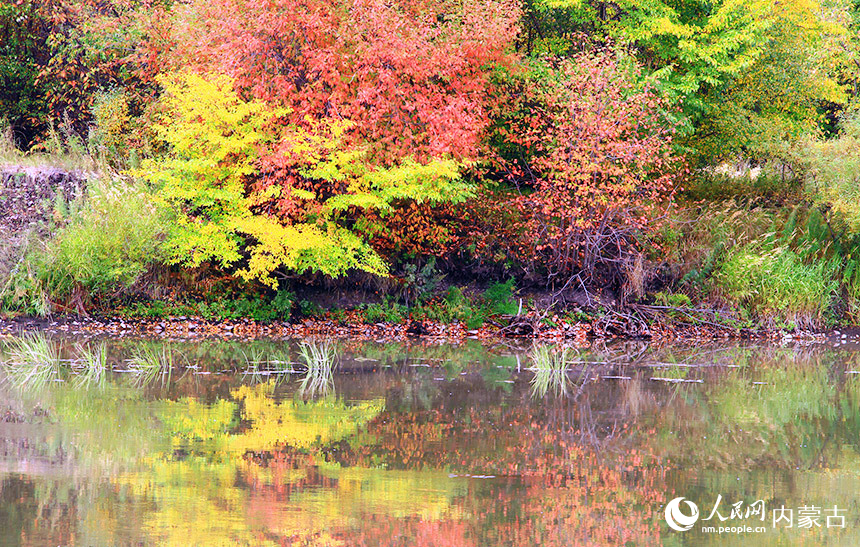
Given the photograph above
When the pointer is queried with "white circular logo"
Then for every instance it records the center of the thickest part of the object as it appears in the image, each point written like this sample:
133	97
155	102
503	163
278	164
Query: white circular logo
678	520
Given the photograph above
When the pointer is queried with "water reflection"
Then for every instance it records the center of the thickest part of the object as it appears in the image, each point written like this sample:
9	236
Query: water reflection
136	442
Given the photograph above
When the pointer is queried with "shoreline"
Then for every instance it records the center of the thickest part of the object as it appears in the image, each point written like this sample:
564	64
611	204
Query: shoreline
196	328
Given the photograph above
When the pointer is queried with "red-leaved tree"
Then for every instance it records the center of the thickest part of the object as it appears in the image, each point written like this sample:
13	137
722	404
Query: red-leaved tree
412	75
594	158
384	84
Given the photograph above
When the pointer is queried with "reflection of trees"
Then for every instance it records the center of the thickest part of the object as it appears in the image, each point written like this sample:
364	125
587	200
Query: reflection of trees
25	510
550	486
421	455
225	481
781	408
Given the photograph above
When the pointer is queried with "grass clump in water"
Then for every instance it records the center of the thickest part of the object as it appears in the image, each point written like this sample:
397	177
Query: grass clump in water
321	360
31	361
149	363
550	368
90	364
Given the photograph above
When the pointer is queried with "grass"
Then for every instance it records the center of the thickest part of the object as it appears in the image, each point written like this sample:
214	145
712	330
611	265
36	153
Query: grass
150	364
105	247
260	367
62	149
777	286
786	267
32	361
550	367
90	364
766	188
321	359
100	242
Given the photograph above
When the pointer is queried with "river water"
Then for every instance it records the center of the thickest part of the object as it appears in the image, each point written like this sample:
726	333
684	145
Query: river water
135	442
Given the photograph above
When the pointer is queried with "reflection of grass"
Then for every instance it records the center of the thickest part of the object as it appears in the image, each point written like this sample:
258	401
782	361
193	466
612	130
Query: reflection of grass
91	364
321	360
33	361
149	363
260	367
784	412
550	370
674	372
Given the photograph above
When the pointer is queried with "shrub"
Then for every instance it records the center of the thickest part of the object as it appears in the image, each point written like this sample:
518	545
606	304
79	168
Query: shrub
386	311
774	283
595	148
833	171
230	210
675	300
257	308
455	307
114	237
499	298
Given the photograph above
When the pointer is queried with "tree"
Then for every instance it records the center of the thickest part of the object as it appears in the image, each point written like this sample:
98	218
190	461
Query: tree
595	155
382	104
751	77
227	207
23	49
411	75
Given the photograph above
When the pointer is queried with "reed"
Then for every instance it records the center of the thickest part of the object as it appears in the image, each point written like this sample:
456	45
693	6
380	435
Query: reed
149	364
321	359
31	361
550	368
90	365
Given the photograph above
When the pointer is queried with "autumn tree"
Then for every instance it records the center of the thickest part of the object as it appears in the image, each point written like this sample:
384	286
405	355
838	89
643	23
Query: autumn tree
60	58
593	157
380	105
411	75
25	27
751	77
211	178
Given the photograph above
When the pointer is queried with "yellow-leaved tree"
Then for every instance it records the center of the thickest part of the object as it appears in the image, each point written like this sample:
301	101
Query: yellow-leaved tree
212	179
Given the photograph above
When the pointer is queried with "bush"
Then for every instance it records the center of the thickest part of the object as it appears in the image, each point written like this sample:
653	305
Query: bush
455	307
776	285
104	248
256	308
832	170
499	298
674	300
386	311
594	148
110	243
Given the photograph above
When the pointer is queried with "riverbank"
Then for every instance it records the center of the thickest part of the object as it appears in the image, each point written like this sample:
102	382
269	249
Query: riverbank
693	286
527	327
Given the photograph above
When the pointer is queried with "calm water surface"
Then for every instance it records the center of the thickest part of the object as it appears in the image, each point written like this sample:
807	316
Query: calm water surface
124	442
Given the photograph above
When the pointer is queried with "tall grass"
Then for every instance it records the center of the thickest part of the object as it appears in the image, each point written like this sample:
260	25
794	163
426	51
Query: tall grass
105	248
260	366
63	148
775	284
782	266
